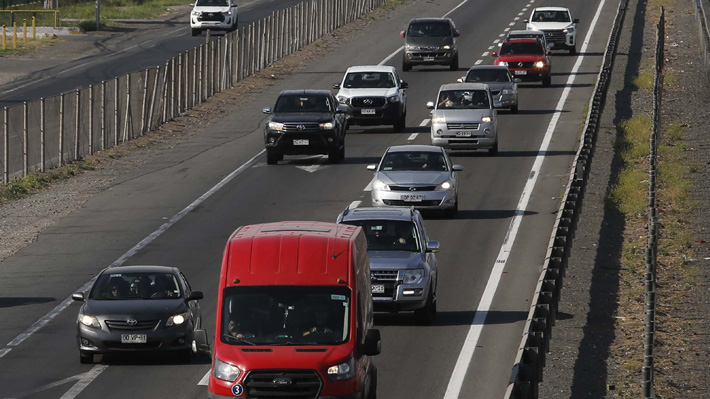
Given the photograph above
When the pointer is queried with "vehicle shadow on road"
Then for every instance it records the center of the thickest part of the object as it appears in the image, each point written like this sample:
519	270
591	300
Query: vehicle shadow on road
450	318
476	214
150	359
20	301
511	154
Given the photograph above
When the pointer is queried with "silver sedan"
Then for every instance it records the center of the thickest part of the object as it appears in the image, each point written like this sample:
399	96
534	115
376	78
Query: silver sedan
422	176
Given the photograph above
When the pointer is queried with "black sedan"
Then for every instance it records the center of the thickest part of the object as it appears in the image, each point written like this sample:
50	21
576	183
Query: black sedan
138	308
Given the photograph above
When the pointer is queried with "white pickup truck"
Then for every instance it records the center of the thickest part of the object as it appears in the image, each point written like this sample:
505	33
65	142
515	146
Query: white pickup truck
558	25
213	15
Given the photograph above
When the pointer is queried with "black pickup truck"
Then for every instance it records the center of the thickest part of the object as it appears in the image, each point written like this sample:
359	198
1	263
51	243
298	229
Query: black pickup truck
305	122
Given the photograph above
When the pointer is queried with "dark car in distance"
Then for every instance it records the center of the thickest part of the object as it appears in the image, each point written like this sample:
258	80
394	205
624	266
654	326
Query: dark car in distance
430	41
305	122
138	309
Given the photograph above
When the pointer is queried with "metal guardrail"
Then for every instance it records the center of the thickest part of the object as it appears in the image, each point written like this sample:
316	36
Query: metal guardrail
652	246
49	132
530	359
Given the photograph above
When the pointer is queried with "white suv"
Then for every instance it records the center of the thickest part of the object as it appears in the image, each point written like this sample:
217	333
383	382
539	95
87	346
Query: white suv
213	15
374	95
558	25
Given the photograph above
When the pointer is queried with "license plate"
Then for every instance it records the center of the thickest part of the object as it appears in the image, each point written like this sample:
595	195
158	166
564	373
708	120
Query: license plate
428	58
463	134
300	142
368	111
378	289
411	198
521	72
134	338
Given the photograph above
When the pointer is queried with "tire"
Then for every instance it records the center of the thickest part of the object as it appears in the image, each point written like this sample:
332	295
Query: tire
454	66
546	81
185	356
401	124
373	385
494	150
451	213
86	357
427	314
196	32
514	109
406	66
342	153
272	158
336	156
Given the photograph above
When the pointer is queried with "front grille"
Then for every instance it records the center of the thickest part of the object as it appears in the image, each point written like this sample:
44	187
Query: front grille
368	102
555	36
301	127
304	384
517	65
462	126
123	325
412	188
408	203
383	275
430	54
212	16
388	278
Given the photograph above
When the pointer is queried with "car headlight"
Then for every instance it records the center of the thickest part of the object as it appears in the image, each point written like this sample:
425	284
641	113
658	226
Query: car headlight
326	126
227	13
445	186
539	64
343	99
177	319
276	126
447	47
438	119
569	29
488	119
225	371
89	321
342	371
413	276
410	48
380	185
508	91
393	99
503	63
195	13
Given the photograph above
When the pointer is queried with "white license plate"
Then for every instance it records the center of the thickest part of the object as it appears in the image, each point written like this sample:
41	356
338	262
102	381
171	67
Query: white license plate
300	142
134	338
428	58
463	134
411	198
378	289
367	111
521	72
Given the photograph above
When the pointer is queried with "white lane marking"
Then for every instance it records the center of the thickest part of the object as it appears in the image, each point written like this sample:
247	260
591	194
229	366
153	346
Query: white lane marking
354	204
491	47
496	41
84	381
368	187
520	14
479	62
80	378
511	24
506	29
457	377
205	380
412	136
501	35
318	165
389	57
516	18
485	54
54	312
424	122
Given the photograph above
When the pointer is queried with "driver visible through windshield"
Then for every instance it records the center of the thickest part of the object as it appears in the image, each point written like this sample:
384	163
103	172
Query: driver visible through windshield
389	235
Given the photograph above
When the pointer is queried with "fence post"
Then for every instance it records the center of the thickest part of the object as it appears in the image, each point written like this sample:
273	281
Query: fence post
91	120
61	129
116	112
103	115
42	134
172	88
6	146
153	95
144	107
25	154
128	124
77	123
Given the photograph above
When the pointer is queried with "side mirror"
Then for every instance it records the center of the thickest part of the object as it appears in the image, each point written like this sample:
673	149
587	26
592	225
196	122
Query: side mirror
401	33
373	343
457	168
266	110
457	33
202	345
336	86
549	52
372	167
403	84
430	105
497	104
432	246
494	54
576	20
195	296
517	80
78	296
341	109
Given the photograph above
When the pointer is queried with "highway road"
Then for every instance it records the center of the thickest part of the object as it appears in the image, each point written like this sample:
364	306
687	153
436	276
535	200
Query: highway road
179	209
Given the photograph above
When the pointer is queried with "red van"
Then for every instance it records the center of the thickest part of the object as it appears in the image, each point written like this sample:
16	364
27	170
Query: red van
294	314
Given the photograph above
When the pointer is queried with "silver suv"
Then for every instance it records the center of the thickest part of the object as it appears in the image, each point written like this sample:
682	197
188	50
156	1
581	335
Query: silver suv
403	264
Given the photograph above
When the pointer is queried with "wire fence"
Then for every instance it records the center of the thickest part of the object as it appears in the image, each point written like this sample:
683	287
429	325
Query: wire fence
47	133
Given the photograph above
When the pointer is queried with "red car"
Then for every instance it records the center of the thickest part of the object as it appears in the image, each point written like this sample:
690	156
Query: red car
527	59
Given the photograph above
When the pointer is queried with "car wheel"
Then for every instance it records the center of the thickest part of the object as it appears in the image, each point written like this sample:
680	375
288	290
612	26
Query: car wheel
454	66
406	66
342	153
427	314
546	81
86	357
372	394
514	109
401	124
451	213
196	32
334	156
493	150
185	356
272	158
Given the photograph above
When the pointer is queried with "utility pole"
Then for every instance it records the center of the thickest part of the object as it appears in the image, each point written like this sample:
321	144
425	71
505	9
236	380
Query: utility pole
98	15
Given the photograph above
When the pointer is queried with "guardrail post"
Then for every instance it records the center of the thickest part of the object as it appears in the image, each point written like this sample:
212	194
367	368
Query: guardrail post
91	120
25	152
61	129
42	134
77	124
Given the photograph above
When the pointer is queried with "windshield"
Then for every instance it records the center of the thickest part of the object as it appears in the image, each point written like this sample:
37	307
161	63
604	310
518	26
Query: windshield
510	48
212	3
463	99
433	28
389	235
551	16
136	285
488	75
286	315
415	160
302	103
368	80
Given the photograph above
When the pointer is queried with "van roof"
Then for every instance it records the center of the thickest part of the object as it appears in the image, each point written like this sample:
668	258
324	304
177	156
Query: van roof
290	253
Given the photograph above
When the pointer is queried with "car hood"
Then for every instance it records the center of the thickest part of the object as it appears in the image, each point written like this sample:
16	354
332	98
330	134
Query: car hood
520	58
428	41
412	177
302	117
213	9
373	92
381	260
459	115
548	25
135	308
